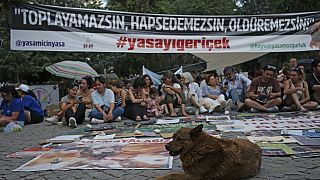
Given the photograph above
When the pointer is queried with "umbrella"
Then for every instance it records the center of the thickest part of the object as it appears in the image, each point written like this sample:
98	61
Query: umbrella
71	69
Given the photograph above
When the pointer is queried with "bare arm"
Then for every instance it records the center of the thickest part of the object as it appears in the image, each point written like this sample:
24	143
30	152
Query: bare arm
316	87
7	119
123	95
306	94
133	99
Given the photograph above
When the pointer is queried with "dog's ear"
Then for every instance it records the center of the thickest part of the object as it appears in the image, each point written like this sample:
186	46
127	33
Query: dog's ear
195	132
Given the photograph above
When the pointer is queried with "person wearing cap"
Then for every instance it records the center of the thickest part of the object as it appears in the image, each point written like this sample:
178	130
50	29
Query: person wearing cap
33	111
11	108
265	92
236	86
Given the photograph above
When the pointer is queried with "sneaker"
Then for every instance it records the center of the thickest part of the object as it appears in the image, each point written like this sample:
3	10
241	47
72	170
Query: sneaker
72	122
203	109
253	110
240	106
229	105
273	109
96	121
118	119
52	120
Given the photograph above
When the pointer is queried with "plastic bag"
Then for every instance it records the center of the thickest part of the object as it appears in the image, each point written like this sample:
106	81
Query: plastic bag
12	127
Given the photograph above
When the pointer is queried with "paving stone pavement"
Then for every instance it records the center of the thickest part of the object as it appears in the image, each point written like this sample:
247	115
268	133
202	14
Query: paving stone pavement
283	168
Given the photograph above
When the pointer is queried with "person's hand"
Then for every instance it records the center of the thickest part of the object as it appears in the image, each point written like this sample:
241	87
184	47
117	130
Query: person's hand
272	95
105	116
143	103
171	92
254	96
214	97
179	100
300	89
109	116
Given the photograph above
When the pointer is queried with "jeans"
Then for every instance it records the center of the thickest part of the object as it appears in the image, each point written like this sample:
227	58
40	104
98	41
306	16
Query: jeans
119	111
235	96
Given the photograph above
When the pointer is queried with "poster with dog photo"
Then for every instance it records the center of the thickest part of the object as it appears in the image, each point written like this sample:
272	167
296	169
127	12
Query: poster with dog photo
113	154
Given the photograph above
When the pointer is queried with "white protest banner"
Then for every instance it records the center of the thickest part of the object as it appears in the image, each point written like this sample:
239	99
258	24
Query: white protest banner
53	28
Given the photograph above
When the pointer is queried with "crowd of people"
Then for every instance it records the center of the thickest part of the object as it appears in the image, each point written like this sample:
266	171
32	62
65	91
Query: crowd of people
101	101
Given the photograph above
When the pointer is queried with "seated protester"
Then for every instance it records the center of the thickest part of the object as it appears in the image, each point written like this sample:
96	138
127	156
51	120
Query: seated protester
217	100
313	80
296	93
153	104
32	109
11	108
172	95
199	79
264	92
104	109
194	93
119	94
72	107
148	84
136	103
85	90
236	87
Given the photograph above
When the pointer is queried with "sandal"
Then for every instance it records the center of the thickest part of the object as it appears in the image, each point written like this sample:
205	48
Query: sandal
173	115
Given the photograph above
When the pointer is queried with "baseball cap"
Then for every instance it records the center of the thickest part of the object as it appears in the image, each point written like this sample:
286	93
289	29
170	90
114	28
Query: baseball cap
269	67
23	87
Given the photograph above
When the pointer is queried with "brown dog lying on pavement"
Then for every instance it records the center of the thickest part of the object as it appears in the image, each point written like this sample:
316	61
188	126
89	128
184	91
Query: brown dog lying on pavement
207	157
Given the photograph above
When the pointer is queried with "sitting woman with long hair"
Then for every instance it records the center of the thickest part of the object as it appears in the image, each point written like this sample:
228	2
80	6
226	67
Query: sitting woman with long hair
136	104
296	92
72	107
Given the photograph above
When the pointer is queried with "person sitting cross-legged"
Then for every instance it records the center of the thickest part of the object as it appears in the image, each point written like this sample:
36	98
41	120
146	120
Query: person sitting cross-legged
103	103
72	107
296	93
264	92
236	87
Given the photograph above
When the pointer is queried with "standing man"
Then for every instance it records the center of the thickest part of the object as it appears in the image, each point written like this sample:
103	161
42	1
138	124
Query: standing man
313	81
236	86
265	92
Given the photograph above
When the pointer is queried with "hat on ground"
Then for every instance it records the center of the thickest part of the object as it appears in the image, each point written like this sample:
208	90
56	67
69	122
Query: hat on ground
23	87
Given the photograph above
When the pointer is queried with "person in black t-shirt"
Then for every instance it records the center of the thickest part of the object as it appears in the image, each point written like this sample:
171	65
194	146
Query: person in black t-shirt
313	80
